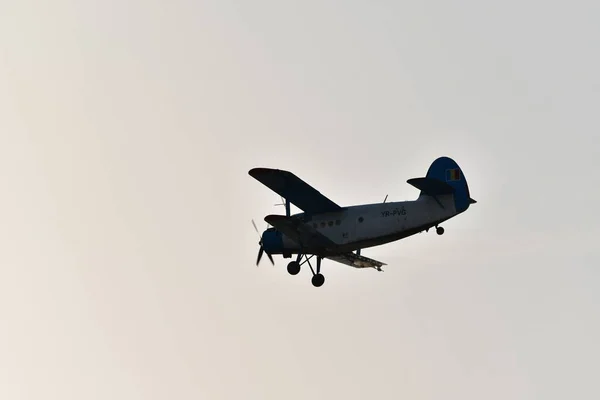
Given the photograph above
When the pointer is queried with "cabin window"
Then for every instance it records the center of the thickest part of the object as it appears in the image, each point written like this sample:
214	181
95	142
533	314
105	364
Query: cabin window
360	219
330	223
338	222
323	224
315	225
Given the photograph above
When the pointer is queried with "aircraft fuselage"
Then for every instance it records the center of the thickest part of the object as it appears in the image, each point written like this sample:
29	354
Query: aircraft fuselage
369	225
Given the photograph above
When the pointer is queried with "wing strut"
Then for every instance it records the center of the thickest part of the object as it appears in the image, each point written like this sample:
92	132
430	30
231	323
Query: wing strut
286	203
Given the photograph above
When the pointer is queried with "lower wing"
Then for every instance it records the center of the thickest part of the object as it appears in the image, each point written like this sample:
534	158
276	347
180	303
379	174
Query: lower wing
304	234
356	261
315	242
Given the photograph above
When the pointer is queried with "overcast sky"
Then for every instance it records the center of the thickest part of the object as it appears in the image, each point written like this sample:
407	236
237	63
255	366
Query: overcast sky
127	253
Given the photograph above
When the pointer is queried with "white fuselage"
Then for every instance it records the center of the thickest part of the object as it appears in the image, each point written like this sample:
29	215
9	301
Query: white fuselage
369	225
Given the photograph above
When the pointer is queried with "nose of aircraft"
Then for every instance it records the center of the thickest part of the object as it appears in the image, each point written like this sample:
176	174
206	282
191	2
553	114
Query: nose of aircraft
272	241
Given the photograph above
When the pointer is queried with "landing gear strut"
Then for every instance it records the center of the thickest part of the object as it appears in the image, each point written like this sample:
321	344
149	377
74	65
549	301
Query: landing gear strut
294	268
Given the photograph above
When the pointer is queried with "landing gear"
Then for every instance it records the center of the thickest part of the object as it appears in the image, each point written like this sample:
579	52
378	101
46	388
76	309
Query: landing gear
318	280
293	268
439	230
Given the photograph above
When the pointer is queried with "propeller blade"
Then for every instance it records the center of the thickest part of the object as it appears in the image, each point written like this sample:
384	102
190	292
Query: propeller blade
261	250
260	253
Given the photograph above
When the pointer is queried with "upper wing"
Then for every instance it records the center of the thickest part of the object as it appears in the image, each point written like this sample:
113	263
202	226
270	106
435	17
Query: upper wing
303	234
294	189
356	261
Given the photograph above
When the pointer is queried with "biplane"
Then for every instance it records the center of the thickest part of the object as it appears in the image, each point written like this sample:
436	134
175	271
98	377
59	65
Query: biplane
326	230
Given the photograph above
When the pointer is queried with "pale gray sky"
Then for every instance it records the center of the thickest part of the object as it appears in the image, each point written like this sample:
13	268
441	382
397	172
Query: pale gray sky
126	133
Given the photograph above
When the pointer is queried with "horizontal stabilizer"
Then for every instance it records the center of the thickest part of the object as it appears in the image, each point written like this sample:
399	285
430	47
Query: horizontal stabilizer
431	186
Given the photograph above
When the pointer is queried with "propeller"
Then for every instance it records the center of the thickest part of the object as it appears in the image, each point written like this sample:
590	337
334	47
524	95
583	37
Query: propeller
262	249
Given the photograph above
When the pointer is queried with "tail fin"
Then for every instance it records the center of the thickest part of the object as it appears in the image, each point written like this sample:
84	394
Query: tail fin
447	170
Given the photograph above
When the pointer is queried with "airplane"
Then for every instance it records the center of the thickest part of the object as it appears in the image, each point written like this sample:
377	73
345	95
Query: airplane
326	230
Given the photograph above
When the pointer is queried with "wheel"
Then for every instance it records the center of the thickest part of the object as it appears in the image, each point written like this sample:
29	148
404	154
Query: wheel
318	280
439	230
293	268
